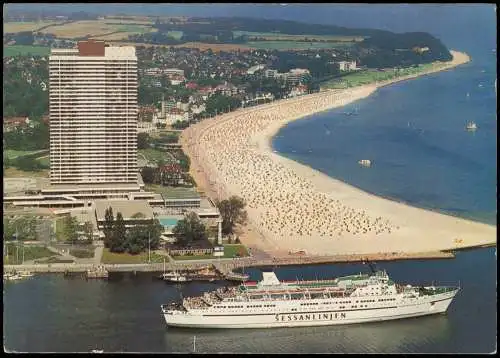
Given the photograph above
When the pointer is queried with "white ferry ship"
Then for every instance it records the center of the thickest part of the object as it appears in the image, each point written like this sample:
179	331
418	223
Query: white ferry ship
344	300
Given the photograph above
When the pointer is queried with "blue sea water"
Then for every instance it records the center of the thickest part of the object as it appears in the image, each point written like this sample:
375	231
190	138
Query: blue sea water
414	134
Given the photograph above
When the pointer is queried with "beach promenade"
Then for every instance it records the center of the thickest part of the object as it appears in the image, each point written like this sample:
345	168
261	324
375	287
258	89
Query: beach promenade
294	207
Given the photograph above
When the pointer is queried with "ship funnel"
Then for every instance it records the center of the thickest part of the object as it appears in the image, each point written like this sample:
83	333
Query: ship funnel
269	279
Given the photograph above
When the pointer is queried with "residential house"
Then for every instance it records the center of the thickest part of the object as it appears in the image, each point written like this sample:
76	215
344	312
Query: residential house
296	75
171	174
198	108
182	106
271	73
173	71
347	65
176	80
227	89
298	91
176	114
191	85
146	113
11	123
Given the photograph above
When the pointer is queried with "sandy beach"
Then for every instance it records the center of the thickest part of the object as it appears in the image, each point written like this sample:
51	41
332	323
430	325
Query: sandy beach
294	207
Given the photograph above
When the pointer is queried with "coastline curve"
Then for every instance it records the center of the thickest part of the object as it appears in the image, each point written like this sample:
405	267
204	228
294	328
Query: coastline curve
294	207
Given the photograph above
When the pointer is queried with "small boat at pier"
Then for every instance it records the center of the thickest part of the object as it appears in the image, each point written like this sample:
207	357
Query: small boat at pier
25	274
97	272
9	276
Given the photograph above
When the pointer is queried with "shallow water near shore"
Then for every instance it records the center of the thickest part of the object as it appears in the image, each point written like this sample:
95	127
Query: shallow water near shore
51	313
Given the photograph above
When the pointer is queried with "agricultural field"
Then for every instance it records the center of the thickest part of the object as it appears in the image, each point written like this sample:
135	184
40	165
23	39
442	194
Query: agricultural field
128	20
125	31
23	50
294	45
215	47
278	36
12	27
96	29
175	34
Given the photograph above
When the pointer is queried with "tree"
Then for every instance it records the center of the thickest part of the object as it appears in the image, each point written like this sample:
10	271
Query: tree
108	227
88	231
143	141
144	236
70	225
189	229
118	236
148	175
232	212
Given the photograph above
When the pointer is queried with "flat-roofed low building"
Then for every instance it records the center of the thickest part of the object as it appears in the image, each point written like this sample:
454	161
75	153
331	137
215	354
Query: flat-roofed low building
134	212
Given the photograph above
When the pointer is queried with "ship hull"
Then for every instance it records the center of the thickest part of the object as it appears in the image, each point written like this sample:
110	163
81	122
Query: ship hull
286	318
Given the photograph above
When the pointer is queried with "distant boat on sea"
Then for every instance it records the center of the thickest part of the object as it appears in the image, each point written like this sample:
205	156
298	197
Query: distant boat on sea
471	126
365	162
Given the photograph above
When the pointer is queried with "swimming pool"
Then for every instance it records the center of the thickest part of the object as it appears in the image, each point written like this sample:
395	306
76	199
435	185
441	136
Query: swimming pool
169	222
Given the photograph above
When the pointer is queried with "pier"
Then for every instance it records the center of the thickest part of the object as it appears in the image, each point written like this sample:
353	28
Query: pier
225	267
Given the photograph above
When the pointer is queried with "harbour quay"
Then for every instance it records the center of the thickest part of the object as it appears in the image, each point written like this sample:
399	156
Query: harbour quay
225	266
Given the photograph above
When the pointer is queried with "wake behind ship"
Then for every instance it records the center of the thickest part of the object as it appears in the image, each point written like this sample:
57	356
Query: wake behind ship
344	300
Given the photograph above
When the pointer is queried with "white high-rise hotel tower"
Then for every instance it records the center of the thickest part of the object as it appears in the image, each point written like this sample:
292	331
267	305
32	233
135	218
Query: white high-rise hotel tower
93	114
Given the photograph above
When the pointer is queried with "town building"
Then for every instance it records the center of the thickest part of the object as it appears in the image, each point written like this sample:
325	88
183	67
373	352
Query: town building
93	114
296	75
270	73
252	70
347	66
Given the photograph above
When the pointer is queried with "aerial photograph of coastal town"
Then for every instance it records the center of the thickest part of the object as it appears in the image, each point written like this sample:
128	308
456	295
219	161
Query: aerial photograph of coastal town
249	178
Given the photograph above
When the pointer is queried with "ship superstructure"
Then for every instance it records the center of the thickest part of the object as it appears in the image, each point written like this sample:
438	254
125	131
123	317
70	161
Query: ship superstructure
343	300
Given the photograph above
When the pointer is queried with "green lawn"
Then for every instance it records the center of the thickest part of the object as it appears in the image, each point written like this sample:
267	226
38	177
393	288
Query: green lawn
60	229
30	253
175	34
12	153
54	260
364	77
194	257
45	161
25	50
155	155
134	28
173	192
82	253
125	258
230	250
